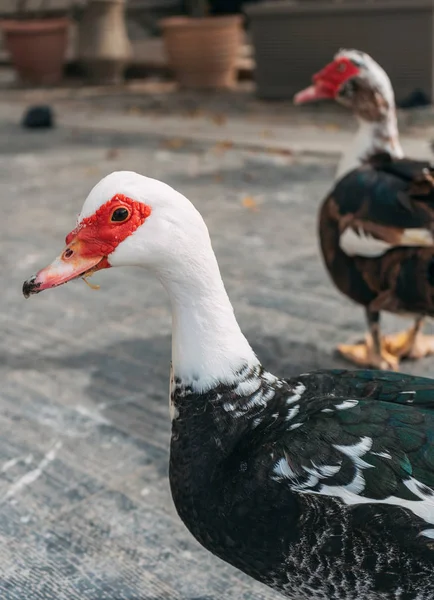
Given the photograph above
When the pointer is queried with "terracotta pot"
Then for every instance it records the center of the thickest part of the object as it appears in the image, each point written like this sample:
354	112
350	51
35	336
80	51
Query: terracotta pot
37	48
203	52
103	45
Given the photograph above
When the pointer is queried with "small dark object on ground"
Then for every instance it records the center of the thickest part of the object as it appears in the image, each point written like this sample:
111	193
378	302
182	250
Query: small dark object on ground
415	99
38	117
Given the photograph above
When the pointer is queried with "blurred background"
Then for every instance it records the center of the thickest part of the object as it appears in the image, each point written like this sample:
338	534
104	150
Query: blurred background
283	41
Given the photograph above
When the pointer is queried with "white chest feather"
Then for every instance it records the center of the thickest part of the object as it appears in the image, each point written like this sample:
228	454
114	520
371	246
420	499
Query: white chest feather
360	243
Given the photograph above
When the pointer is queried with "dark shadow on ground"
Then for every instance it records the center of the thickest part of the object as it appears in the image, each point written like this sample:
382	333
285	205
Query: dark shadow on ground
121	362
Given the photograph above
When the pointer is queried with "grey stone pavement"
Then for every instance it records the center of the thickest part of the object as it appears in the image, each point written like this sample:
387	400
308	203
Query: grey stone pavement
85	507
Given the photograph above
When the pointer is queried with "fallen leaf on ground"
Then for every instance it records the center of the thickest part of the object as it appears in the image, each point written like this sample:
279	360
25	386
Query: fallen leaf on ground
250	203
93	170
221	147
267	133
195	113
173	143
331	127
279	151
112	153
134	110
219	119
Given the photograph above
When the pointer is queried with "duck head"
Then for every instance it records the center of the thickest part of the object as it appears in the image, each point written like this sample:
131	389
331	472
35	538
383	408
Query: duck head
132	220
354	80
127	220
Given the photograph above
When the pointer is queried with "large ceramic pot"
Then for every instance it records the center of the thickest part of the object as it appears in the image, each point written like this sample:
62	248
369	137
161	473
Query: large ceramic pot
203	52
104	49
37	48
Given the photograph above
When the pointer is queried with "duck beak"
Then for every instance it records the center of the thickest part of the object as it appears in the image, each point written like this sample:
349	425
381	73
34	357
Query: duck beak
320	90
71	264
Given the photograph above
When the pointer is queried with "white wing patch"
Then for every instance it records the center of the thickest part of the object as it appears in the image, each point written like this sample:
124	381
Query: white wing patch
292	412
356	451
429	533
360	243
248	387
295	426
346	404
417	237
423	508
298	392
383	455
283	470
350	494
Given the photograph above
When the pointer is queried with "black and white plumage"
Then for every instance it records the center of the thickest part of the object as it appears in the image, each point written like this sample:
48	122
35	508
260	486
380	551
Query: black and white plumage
320	486
315	486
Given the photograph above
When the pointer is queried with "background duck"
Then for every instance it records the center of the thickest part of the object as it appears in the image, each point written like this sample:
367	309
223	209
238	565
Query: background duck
320	486
376	224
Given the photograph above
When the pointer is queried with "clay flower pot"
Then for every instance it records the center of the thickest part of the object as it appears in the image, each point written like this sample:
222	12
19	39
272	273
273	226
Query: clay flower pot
203	51
37	48
103	45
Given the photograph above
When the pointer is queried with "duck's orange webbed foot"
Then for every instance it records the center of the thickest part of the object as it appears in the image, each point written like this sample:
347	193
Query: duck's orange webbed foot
411	344
365	355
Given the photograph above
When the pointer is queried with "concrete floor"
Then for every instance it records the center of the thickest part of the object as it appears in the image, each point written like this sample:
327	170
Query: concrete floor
85	507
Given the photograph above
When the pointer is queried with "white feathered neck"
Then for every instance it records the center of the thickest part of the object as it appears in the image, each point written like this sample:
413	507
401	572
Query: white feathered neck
208	346
369	139
372	136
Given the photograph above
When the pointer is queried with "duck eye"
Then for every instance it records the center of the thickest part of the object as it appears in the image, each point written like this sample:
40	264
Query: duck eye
341	67
120	214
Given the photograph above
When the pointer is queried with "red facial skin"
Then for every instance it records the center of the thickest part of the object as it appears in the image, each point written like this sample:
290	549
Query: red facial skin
98	235
90	244
327	82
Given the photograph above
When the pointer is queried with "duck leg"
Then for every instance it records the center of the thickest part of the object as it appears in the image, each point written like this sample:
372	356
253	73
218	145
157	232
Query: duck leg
371	353
411	343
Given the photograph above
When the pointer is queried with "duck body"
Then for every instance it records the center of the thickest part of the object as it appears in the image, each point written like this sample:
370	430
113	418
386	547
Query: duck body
320	486
376	230
303	483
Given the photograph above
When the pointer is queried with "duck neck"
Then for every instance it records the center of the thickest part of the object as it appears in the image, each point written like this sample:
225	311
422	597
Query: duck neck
208	346
372	137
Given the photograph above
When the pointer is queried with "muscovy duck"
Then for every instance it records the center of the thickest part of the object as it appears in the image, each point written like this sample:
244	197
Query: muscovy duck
376	225
320	486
